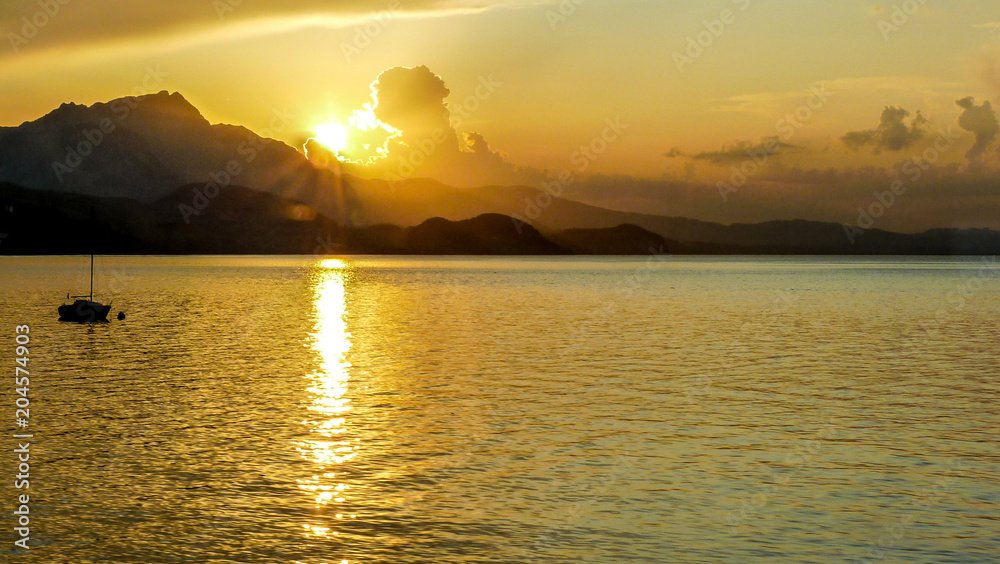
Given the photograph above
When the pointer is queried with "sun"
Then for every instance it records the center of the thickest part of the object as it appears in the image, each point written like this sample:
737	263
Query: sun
333	136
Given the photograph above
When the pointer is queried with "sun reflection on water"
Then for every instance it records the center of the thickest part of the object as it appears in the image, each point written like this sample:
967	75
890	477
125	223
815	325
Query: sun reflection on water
327	445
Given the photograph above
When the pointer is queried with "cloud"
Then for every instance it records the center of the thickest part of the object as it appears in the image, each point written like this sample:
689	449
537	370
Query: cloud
480	148
854	140
981	121
892	133
408	113
406	132
741	151
412	101
675	153
109	23
497	164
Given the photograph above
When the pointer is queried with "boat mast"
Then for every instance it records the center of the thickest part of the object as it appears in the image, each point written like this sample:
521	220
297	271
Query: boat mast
93	221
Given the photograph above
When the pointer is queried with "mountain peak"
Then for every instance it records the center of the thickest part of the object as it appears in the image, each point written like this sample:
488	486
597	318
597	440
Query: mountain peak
165	97
66	112
163	104
172	104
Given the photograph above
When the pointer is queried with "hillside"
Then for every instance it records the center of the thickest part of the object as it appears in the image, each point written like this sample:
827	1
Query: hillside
240	221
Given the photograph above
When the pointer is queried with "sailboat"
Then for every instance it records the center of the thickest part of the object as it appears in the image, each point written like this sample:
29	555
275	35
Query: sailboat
85	311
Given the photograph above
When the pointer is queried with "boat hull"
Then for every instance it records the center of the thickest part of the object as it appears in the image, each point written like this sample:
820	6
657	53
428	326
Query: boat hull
84	311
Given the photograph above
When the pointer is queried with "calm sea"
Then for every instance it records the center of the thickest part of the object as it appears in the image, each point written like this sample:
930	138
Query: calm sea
403	410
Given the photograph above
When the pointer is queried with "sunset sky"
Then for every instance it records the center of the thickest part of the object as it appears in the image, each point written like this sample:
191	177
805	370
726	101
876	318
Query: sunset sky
560	71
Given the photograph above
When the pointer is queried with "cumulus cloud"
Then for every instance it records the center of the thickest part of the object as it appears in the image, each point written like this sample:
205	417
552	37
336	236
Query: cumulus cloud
487	155
892	133
408	112
406	132
981	121
741	151
412	101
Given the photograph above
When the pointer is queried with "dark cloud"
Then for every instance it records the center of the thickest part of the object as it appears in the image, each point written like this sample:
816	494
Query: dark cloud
412	101
854	140
892	133
674	153
743	150
981	121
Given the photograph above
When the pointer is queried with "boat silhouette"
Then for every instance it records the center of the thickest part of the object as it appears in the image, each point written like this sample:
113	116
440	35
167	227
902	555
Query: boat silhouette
85	311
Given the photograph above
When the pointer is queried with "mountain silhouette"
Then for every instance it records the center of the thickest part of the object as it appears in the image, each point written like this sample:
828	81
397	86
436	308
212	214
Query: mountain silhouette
146	147
487	234
169	180
621	240
245	221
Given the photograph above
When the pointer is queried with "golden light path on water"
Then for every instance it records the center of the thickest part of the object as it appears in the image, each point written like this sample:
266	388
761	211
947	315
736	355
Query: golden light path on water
328	447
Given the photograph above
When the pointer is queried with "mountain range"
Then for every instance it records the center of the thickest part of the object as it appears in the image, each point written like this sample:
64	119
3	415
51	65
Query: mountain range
161	179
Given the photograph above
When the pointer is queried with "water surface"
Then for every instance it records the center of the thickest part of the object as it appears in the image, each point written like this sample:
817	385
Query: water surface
368	409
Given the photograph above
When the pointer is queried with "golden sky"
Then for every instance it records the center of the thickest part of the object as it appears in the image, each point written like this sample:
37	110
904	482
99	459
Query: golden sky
695	86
